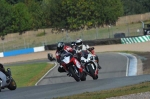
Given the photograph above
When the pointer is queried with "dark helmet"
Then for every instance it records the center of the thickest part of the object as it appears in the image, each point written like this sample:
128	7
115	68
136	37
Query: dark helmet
73	44
60	46
79	42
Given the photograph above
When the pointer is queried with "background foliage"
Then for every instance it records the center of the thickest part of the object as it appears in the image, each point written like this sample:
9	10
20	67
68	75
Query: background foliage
22	15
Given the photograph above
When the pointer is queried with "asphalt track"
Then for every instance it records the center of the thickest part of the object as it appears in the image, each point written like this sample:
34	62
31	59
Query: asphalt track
113	65
112	75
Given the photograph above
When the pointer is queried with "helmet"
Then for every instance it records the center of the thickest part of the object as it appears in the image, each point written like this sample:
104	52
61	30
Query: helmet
73	44
60	46
79	42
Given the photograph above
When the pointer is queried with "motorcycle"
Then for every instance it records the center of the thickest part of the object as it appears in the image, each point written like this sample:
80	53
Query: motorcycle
90	64
11	85
67	59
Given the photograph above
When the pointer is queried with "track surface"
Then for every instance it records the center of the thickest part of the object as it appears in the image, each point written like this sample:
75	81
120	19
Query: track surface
108	78
65	89
113	66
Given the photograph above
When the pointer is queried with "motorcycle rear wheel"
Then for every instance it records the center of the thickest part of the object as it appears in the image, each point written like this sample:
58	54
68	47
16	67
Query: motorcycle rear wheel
12	85
74	75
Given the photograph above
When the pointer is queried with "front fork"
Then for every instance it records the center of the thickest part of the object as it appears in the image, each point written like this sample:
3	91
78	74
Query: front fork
96	69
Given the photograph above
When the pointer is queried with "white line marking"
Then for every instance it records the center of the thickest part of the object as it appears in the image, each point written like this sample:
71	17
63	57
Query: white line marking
46	74
127	67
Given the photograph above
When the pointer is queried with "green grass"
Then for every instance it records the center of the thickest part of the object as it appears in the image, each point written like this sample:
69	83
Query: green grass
138	88
29	74
41	34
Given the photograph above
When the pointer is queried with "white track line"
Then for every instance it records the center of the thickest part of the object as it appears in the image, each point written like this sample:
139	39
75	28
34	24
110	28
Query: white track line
46	73
131	69
127	67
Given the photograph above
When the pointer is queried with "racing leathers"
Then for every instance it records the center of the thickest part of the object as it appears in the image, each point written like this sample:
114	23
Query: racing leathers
5	72
62	67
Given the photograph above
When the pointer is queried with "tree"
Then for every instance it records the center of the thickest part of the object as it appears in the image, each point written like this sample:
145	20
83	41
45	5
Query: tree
5	18
112	10
36	12
21	18
135	6
14	1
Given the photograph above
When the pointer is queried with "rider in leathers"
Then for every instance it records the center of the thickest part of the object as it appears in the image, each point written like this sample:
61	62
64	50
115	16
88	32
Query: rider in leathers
5	72
62	68
80	46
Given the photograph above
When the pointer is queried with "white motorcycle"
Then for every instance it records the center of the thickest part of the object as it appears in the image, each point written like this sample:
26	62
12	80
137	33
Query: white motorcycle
11	85
90	64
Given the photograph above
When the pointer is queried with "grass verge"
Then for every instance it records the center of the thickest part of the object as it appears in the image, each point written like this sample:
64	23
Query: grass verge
133	89
29	74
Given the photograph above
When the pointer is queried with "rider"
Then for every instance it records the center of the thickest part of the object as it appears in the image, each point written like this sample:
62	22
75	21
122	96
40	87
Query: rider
60	48
81	46
73	45
5	72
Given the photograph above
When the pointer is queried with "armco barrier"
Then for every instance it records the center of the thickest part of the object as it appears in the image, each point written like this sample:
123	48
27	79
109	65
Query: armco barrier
108	41
90	43
139	39
22	51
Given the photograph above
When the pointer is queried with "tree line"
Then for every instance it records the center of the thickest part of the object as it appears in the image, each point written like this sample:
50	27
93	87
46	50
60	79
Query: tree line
23	15
135	6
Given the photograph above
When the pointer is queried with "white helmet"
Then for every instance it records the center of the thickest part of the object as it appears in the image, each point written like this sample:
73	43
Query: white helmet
79	42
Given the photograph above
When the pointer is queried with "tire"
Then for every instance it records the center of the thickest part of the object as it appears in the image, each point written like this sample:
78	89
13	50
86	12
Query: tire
74	75
92	72
12	85
83	78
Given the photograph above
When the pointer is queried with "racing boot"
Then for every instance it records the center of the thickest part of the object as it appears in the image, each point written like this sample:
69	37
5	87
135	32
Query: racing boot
96	58
99	67
7	79
9	71
8	74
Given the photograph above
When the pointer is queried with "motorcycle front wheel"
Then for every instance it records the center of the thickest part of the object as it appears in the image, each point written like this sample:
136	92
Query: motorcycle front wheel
92	72
12	85
74	75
